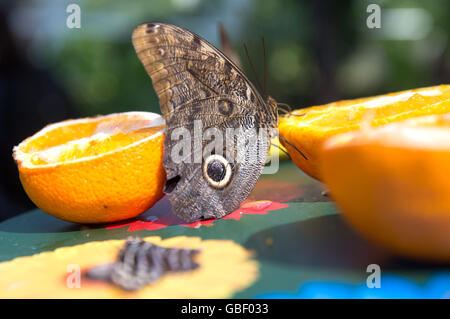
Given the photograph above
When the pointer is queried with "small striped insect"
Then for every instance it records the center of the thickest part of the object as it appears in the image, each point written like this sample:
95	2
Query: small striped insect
140	263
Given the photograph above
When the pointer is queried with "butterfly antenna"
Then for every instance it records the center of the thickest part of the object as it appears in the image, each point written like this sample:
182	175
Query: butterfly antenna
281	149
293	146
265	67
289	109
303	114
286	109
253	68
283	110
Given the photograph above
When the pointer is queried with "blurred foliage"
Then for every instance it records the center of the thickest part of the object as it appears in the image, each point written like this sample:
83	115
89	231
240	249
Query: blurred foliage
317	51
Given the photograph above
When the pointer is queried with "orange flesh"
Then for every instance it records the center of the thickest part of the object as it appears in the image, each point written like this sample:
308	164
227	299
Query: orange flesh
318	123
79	140
95	170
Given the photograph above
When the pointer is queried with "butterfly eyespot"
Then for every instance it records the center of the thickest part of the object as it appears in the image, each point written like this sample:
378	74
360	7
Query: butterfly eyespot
161	52
225	107
217	171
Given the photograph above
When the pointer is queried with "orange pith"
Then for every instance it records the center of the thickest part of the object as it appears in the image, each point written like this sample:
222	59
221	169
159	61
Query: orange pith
391	184
95	170
309	131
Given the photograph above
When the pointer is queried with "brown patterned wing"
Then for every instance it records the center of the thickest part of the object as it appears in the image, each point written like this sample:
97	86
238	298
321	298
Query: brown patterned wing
196	83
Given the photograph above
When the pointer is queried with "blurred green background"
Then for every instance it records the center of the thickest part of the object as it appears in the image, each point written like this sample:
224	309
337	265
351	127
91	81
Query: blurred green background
317	52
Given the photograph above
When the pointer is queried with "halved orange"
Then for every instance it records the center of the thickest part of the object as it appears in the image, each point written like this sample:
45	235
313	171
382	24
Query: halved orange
308	128
392	184
95	170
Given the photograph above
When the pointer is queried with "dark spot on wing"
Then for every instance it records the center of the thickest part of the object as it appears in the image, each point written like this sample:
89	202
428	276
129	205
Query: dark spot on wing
196	40
227	67
152	28
171	184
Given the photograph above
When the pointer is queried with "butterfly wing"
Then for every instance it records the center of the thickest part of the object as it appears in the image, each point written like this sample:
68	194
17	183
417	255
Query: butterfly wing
201	91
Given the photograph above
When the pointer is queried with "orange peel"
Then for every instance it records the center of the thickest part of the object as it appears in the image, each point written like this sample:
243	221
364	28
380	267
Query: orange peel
95	170
307	129
391	184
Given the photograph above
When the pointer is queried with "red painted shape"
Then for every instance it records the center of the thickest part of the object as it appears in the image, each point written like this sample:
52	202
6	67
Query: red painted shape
160	216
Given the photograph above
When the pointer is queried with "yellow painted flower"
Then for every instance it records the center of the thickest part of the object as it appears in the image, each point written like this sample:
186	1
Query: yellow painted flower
225	268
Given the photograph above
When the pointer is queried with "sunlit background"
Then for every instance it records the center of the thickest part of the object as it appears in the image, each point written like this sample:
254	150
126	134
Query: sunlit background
317	52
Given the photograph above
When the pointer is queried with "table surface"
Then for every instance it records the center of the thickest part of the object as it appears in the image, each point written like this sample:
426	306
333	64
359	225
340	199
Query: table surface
304	250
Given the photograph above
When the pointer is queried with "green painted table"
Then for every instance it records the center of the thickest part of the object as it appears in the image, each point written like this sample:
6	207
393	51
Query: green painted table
304	250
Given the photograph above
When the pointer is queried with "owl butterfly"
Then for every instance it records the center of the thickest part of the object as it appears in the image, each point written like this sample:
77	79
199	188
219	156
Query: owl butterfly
203	94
